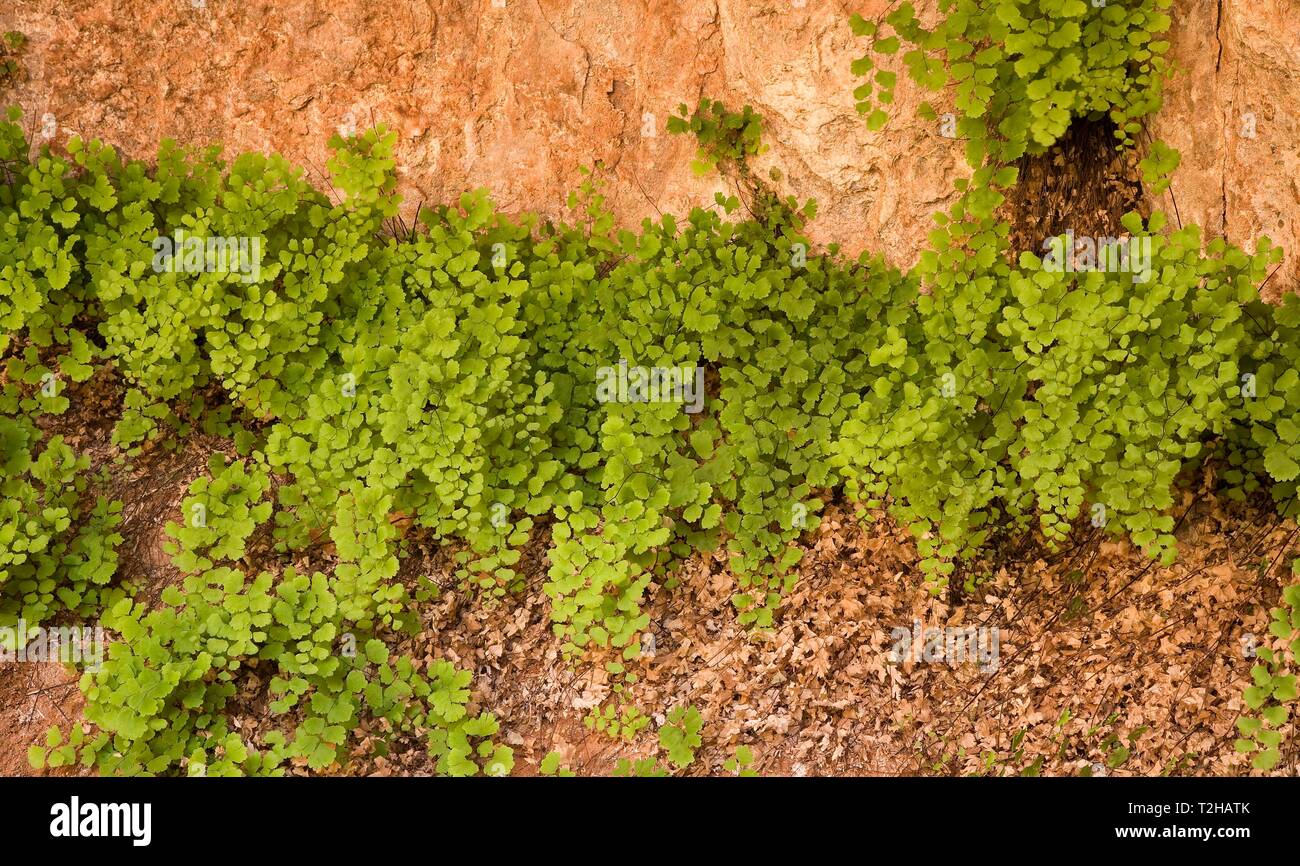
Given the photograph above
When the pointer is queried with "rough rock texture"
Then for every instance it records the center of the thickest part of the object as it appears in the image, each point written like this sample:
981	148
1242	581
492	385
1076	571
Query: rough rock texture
517	95
1231	110
514	96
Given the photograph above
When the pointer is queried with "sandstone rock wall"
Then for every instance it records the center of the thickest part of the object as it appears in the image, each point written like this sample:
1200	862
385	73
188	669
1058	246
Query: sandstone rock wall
1232	111
517	95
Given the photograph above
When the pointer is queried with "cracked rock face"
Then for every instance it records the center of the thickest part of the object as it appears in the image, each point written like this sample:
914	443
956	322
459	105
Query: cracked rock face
518	95
1231	109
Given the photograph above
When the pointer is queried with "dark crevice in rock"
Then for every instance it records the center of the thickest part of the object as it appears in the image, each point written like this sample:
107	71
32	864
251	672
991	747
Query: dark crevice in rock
1083	184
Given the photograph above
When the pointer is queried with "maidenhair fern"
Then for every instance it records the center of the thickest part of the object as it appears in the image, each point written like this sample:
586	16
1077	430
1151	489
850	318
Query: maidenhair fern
456	378
1021	70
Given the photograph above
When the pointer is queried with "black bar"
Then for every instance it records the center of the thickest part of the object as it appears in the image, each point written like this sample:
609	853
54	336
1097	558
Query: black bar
580	818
